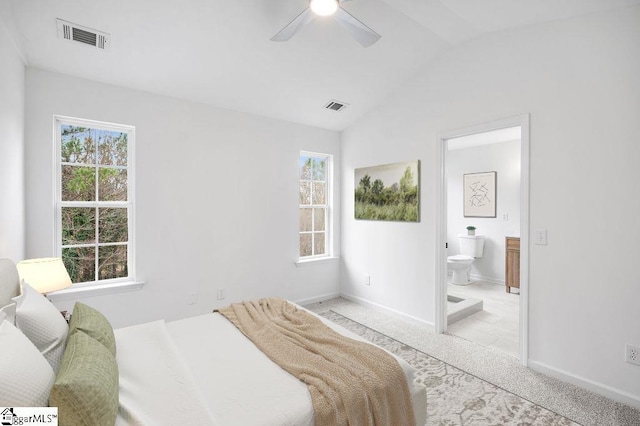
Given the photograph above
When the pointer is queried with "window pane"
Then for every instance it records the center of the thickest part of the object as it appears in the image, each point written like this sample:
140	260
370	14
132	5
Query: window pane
318	243
78	145
314	191
319	193
80	263
318	219
78	225
93	195
305	168
113	225
305	193
305	220
112	184
112	262
78	183
112	147
319	169
305	245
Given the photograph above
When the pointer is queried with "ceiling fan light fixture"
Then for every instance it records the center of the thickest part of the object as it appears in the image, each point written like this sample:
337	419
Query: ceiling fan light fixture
323	7
359	31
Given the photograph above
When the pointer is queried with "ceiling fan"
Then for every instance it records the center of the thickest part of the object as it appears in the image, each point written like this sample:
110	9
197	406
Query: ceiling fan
363	34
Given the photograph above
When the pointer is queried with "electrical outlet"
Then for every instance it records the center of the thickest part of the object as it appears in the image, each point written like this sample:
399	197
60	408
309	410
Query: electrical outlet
367	280
221	293
632	354
192	298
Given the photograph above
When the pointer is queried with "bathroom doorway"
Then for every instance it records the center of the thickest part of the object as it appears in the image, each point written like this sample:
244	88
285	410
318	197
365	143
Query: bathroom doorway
488	161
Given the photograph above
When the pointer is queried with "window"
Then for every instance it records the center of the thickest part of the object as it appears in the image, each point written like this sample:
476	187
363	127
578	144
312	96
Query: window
315	185
94	200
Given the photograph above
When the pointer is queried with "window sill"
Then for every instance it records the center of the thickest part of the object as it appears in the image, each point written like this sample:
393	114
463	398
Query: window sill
94	290
316	261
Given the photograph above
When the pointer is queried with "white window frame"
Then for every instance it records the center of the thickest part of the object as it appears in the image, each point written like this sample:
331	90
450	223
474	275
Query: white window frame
129	204
328	239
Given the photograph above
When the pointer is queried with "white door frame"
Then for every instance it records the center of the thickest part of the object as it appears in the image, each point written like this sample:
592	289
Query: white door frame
441	225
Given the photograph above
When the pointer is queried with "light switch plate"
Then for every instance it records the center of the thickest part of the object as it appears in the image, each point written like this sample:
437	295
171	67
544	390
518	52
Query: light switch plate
541	237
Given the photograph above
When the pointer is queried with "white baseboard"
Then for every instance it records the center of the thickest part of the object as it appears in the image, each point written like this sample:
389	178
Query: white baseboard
492	280
476	277
402	315
316	299
590	385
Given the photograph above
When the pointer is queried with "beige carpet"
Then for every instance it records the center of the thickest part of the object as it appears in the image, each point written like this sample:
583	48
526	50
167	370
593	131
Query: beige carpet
454	396
474	385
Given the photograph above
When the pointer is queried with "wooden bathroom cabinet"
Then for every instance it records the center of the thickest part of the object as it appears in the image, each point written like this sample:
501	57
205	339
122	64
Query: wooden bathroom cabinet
512	263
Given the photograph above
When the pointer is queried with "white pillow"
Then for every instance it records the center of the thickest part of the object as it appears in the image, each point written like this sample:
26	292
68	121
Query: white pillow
27	378
42	323
8	313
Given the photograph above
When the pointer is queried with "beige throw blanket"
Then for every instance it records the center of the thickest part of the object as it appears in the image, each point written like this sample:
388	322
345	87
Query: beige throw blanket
351	382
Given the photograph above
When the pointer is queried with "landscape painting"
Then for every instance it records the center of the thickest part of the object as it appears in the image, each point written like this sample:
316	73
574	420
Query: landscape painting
388	192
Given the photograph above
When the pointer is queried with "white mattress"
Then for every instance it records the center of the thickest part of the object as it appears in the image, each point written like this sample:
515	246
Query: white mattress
235	382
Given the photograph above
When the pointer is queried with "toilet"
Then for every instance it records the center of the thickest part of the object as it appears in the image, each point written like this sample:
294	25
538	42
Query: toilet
471	247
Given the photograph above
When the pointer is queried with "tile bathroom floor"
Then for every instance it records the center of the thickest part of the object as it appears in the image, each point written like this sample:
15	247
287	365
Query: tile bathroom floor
496	326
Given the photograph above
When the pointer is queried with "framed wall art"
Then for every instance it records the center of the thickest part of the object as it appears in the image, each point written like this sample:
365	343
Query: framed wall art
479	194
388	192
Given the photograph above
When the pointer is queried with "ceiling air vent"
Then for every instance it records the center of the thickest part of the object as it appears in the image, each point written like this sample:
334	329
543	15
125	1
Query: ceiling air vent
74	32
336	105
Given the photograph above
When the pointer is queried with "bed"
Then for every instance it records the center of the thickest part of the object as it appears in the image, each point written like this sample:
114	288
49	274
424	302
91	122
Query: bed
196	371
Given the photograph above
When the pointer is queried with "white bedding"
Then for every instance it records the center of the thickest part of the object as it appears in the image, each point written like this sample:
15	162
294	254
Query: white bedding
234	382
156	385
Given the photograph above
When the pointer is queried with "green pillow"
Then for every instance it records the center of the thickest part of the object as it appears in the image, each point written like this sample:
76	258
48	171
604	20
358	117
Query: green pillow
87	319
86	386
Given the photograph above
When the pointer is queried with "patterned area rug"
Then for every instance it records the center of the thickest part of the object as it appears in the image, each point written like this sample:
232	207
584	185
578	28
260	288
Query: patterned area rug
455	397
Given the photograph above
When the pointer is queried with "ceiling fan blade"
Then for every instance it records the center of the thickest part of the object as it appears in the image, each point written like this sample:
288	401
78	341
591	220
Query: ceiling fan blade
294	26
363	34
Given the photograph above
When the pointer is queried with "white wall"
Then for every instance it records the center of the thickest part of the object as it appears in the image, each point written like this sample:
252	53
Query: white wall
579	81
217	197
12	222
503	158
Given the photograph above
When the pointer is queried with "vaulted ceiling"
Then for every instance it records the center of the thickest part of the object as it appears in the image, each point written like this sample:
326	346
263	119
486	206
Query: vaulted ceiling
220	53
